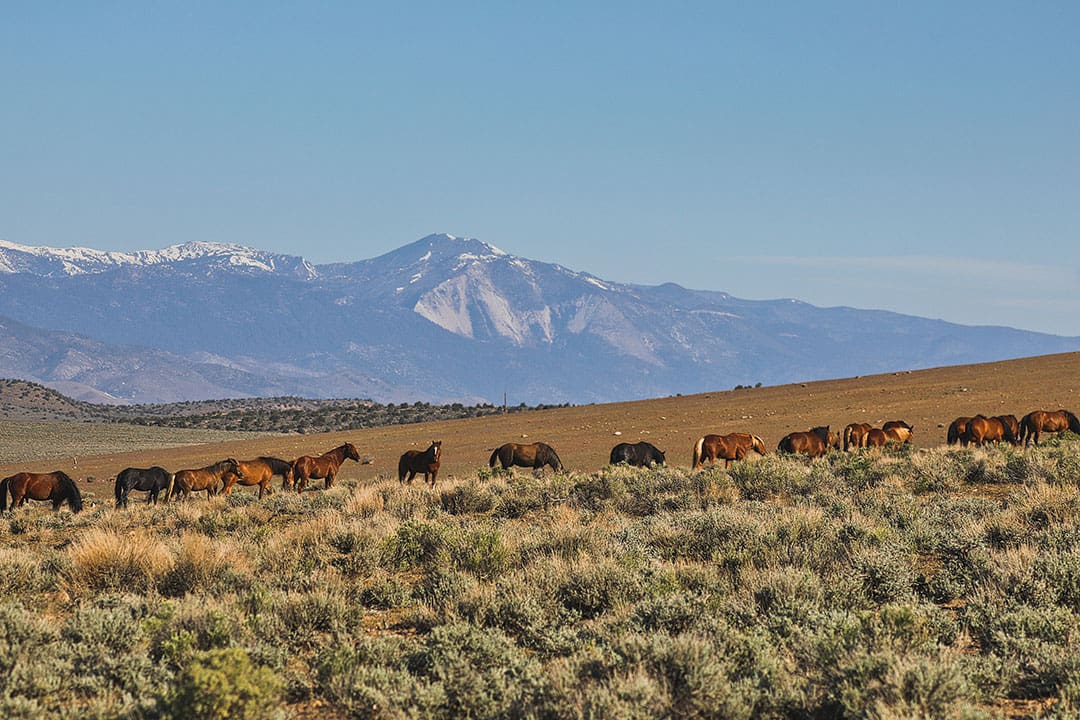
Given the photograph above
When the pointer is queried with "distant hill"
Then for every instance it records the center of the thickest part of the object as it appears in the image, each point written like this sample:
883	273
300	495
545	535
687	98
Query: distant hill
443	319
21	400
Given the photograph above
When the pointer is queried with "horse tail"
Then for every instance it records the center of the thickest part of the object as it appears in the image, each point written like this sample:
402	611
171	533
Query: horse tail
696	461
118	490
169	487
494	457
784	445
1074	422
71	491
4	494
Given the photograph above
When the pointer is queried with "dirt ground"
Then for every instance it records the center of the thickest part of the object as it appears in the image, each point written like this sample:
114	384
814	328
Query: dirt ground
584	435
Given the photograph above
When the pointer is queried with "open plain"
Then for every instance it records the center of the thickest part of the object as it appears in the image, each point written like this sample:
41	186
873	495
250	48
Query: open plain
584	435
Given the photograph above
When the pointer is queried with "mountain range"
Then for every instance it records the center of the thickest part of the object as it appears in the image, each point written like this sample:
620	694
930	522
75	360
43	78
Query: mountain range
441	319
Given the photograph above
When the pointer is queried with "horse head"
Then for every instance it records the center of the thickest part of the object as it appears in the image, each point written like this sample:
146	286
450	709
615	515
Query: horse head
351	452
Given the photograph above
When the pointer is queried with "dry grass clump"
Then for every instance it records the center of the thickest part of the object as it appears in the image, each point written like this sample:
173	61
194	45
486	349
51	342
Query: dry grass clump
104	560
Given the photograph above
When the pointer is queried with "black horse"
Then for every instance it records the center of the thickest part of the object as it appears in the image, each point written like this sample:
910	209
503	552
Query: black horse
640	454
150	480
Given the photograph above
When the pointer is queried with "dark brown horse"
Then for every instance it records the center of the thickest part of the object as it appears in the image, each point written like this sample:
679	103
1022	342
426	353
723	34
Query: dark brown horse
956	431
1041	421
415	461
207	478
855	435
730	447
149	480
325	466
815	443
534	456
54	486
259	471
898	431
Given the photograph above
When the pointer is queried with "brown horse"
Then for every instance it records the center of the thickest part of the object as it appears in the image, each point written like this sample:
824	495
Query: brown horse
733	446
325	466
956	431
1011	427
54	486
898	431
982	430
207	478
1041	421
534	456
427	462
855	435
259	471
815	443
876	438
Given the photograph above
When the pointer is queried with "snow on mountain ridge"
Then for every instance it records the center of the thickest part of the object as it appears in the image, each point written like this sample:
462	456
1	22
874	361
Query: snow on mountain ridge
44	260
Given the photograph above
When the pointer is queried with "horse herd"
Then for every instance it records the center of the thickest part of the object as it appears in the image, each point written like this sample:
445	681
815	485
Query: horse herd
57	487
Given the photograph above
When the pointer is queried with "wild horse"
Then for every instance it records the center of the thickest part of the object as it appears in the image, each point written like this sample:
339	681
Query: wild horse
259	471
308	467
1041	421
639	454
730	447
55	486
415	461
814	443
207	478
149	480
535	456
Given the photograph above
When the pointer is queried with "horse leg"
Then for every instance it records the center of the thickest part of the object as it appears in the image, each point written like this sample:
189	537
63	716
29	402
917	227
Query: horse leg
330	479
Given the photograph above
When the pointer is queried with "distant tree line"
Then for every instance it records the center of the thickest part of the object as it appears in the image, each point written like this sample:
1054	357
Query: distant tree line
275	414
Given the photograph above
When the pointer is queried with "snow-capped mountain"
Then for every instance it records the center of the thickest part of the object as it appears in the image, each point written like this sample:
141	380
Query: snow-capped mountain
442	318
48	262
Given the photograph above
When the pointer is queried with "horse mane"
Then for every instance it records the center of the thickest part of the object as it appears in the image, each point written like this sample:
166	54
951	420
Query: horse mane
758	445
550	454
71	491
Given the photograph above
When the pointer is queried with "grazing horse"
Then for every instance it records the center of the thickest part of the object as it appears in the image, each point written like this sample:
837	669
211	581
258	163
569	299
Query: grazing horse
149	480
325	466
815	443
259	471
1011	427
982	430
640	454
54	486
207	478
855	435
733	446
956	431
876	438
415	461
1041	421
898	431
534	456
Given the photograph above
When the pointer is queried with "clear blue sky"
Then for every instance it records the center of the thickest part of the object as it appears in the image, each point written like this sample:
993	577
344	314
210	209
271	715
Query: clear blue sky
921	157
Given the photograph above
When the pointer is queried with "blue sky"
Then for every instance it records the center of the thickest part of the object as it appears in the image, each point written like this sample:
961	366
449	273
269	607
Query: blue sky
917	157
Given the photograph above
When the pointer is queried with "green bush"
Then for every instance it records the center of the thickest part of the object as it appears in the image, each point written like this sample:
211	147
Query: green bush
223	684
